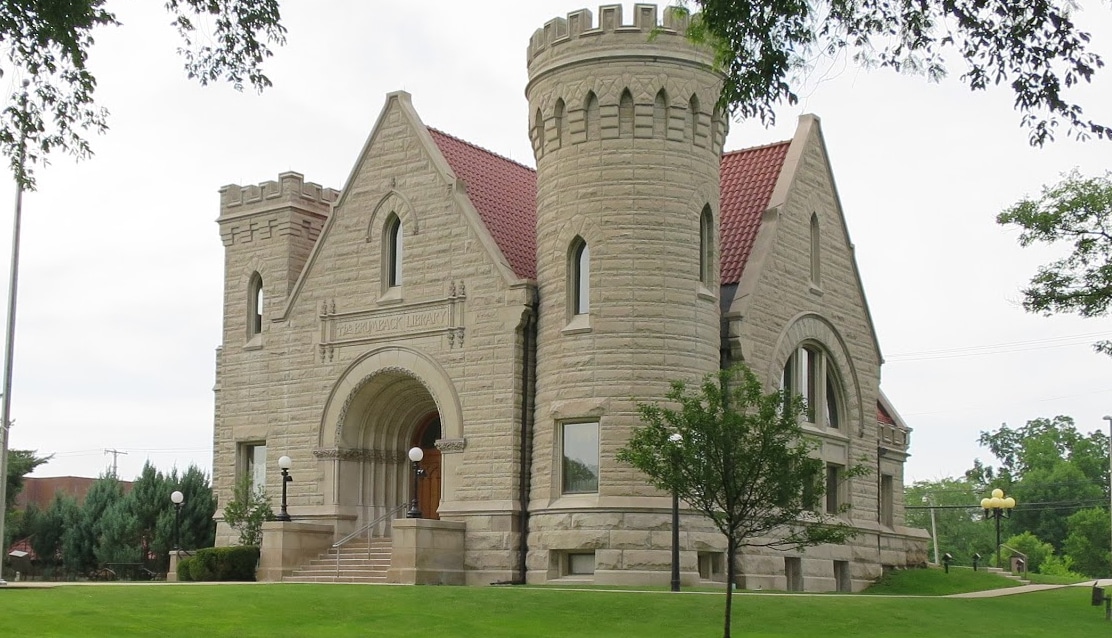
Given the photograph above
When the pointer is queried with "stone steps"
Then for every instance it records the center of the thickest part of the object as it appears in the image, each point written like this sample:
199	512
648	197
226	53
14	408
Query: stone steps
356	562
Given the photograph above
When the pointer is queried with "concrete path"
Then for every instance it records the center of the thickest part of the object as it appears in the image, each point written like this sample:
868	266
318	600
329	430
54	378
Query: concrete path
1008	591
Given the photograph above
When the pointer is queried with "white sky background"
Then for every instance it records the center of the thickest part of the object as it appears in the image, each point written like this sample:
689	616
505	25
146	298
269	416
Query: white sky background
121	275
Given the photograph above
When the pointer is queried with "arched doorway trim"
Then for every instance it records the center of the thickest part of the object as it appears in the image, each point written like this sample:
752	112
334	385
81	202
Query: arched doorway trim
397	359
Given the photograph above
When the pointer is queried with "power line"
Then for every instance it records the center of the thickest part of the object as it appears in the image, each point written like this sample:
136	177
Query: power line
998	348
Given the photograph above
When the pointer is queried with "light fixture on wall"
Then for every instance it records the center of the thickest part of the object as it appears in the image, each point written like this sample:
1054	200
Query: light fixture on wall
416	454
177	498
284	464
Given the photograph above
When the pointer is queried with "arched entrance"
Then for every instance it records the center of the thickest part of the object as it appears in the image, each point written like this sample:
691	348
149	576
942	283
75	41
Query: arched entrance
385	402
429	486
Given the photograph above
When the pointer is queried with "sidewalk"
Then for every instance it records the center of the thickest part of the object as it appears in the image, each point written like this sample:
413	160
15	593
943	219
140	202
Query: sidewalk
1008	591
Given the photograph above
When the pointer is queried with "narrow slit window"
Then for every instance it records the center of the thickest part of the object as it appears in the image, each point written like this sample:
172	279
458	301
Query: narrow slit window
706	247
694	113
816	261
559	116
255	305
581	278
660	115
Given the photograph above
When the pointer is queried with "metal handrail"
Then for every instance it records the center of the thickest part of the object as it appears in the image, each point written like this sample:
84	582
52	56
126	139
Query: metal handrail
366	528
1021	554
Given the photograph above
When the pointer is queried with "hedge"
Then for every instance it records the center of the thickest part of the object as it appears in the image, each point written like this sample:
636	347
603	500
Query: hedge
220	563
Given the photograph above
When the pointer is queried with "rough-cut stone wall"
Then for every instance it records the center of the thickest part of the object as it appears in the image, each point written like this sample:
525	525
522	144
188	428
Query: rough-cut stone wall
632	187
777	308
279	387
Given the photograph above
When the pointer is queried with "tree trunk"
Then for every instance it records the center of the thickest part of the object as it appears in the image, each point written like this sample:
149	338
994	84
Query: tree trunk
731	574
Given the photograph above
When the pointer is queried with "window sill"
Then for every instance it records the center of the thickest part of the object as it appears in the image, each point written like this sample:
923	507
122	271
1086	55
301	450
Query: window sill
393	295
254	343
702	292
579	324
816	290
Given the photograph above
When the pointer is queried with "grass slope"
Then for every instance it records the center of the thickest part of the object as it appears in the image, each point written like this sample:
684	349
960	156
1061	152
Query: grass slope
354	610
934	581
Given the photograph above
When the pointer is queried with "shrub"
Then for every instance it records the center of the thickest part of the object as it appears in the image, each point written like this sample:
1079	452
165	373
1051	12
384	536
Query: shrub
224	563
183	569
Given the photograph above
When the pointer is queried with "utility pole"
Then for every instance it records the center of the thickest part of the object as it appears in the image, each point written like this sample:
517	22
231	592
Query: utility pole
9	344
115	455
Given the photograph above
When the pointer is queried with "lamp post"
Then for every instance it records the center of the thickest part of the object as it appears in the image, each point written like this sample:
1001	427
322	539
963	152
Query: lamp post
1109	419
415	455
934	527
674	442
997	507
177	498
284	463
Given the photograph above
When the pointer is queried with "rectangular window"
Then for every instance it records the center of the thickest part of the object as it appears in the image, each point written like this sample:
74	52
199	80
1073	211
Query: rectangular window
833	488
580	466
811	383
253	464
581	564
887	497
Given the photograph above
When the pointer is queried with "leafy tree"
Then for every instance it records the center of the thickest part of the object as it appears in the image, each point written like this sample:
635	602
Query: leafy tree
48	45
1034	47
1036	551
1087	543
1050	468
962	531
1042	444
741	460
1077	211
247	511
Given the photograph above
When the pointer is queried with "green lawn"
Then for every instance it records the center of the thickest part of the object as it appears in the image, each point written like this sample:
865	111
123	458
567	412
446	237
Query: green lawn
356	610
934	581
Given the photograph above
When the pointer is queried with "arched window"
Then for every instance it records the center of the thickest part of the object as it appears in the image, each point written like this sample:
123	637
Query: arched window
706	247
255	305
590	105
625	115
816	260
579	281
693	109
809	373
660	115
394	250
558	113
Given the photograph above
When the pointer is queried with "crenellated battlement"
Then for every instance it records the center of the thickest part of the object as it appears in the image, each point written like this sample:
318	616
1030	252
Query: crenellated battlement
291	187
579	25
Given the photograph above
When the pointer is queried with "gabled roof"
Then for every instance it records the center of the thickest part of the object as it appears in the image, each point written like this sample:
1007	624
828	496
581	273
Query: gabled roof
505	195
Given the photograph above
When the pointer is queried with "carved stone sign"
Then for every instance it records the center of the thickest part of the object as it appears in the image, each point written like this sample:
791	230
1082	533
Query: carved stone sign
441	316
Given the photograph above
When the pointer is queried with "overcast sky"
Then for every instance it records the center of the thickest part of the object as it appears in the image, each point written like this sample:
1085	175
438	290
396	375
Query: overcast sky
121	274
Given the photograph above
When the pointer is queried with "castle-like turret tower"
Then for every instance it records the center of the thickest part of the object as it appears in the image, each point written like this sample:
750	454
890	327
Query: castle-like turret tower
627	142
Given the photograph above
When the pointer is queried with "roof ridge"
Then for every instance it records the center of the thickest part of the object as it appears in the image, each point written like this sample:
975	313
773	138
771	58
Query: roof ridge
755	148
480	148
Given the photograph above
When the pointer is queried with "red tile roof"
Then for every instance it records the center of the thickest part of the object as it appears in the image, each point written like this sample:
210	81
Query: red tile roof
882	415
748	177
505	195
